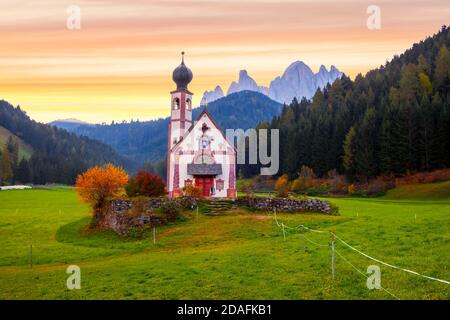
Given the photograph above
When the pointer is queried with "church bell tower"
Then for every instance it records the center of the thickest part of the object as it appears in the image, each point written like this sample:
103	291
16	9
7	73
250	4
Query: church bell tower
181	104
180	122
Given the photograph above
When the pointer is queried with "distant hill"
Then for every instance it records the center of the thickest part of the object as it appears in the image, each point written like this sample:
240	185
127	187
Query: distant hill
58	156
68	124
25	150
147	141
244	109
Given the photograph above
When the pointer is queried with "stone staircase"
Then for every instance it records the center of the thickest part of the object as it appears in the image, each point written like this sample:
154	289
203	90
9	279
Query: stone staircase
219	205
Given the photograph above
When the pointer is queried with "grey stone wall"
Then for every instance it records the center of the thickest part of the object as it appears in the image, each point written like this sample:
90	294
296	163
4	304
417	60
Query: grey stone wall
118	215
287	204
122	215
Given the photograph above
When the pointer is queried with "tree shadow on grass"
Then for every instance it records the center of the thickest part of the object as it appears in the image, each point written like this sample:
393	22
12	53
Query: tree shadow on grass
78	233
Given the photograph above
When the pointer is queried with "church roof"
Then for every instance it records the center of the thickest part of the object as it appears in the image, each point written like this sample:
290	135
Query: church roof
203	169
204	112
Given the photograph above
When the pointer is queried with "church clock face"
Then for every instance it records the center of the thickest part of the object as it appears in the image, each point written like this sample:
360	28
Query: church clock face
205	143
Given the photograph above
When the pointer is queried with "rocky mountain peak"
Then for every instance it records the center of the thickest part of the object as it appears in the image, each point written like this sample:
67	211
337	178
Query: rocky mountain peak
297	81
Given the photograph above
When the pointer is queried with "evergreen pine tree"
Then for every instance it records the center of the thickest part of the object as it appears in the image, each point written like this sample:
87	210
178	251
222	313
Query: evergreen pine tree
6	165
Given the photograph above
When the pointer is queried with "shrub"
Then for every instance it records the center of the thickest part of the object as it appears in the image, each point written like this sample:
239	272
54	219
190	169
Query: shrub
337	183
306	173
351	189
171	209
318	189
192	191
298	185
187	202
282	186
248	188
146	184
425	177
376	187
100	183
136	232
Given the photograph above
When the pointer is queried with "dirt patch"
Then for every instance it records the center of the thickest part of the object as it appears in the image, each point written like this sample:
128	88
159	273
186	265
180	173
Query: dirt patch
168	232
261	217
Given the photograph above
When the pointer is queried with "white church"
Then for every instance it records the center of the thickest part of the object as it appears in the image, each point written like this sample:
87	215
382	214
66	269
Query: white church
198	154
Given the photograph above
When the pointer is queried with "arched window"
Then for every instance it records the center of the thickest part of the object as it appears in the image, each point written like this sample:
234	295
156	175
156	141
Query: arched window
188	104
219	184
176	104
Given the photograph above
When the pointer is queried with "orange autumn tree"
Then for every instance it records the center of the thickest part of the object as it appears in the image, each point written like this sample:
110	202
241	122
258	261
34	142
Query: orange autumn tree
100	183
282	186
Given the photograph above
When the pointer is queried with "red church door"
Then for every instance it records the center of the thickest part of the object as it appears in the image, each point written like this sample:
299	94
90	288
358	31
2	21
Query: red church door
205	184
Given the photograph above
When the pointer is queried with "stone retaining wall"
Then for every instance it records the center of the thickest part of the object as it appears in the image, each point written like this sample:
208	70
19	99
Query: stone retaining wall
287	204
119	216
124	215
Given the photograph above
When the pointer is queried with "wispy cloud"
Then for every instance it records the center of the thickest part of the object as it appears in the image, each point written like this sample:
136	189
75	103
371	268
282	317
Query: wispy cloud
119	64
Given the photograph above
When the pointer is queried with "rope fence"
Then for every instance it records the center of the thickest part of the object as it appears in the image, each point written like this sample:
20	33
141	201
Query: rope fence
363	274
304	228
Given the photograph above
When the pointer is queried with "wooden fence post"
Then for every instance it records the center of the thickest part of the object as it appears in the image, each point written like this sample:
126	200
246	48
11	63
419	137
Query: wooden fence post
30	258
332	252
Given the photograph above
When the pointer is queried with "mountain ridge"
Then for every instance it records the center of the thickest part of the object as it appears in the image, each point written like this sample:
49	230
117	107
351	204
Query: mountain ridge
297	81
147	140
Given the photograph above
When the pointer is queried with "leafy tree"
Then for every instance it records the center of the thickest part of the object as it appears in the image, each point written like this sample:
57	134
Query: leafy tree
13	148
442	70
145	184
6	165
22	173
393	120
365	143
58	156
425	83
282	186
98	184
192	191
306	173
349	153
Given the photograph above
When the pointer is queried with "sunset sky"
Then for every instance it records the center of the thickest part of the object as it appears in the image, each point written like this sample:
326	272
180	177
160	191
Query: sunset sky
118	66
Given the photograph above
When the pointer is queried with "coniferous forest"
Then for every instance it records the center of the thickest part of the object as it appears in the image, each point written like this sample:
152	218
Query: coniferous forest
57	155
392	121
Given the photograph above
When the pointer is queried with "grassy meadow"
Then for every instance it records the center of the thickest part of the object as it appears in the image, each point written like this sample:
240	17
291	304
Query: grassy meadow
238	255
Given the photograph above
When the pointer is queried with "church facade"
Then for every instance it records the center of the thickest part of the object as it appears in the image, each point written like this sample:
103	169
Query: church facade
198	154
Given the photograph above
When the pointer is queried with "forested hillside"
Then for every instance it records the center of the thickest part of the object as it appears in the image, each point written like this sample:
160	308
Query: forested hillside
393	120
57	155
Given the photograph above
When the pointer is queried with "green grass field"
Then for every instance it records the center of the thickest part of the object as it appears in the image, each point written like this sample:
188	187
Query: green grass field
425	192
240	255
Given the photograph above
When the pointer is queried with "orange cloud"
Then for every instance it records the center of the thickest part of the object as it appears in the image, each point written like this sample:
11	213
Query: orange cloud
119	65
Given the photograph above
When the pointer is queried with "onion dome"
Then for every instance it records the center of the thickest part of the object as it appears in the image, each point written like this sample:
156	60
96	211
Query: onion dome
182	75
